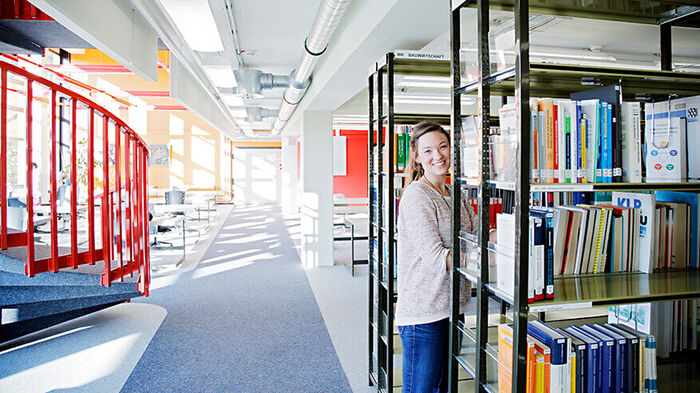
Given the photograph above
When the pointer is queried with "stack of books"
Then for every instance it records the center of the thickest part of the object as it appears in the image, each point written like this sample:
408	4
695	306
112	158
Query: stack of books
589	358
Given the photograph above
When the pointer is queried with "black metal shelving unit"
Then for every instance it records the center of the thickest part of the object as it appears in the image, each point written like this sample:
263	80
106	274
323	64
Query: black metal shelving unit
384	342
473	349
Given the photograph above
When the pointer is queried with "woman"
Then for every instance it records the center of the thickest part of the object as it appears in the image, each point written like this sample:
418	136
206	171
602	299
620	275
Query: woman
423	308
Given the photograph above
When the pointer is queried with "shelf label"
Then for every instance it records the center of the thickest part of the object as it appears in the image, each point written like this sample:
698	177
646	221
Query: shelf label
561	307
559	187
414	54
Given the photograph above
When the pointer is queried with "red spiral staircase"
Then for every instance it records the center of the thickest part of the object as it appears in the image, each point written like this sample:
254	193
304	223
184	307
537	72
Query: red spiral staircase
43	283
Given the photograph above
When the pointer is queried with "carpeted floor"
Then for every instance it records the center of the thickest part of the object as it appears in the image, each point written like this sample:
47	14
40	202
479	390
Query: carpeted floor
243	320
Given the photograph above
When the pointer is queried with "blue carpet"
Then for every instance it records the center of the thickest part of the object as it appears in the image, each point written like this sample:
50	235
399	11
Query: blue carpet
244	320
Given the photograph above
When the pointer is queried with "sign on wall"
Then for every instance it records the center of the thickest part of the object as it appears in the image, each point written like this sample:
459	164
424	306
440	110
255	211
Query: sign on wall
159	155
339	155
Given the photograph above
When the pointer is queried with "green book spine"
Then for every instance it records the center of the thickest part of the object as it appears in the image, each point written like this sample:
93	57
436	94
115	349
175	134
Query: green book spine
401	149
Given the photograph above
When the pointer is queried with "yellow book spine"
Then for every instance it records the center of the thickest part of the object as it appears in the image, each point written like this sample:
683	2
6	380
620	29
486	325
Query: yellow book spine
599	242
573	372
539	384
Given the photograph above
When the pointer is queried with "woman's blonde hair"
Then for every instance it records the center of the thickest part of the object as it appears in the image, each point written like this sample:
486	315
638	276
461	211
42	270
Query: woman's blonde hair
415	169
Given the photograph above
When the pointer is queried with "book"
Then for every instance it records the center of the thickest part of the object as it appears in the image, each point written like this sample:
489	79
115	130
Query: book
646	204
631	142
606	344
578	363
633	357
622	355
592	359
691	199
558	344
688	108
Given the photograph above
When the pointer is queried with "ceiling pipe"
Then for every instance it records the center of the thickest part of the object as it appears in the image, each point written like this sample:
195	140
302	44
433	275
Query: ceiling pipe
329	17
256	113
252	82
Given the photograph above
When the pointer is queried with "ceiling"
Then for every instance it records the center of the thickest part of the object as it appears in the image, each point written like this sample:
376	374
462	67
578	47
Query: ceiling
269	36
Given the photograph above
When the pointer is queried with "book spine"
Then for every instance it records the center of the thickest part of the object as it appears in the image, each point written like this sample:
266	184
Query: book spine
580	132
534	148
549	265
617	143
567	134
555	142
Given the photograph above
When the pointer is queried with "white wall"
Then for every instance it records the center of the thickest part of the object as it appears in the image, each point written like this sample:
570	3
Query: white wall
257	176
290	173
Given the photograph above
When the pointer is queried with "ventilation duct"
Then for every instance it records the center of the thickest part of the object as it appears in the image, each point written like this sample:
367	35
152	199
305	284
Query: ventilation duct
256	113
329	16
252	82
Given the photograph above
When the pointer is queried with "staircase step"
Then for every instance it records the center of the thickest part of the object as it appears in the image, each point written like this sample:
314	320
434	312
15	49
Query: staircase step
12	261
18	329
36	310
26	294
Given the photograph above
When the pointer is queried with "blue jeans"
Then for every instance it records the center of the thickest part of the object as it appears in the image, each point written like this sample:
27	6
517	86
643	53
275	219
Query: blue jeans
425	356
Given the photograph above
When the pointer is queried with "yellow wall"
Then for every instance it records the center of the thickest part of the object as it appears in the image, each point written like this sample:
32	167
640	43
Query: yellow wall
195	147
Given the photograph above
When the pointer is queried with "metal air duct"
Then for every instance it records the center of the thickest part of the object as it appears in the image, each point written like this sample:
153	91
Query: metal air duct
252	82
329	16
256	113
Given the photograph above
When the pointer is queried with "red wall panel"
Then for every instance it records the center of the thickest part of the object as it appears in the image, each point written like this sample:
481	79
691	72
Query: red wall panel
354	184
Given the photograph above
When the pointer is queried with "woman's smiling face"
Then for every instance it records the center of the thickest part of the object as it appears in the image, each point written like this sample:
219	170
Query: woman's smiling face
434	153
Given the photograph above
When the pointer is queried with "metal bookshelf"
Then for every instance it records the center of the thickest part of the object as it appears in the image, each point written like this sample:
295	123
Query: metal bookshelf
472	349
384	342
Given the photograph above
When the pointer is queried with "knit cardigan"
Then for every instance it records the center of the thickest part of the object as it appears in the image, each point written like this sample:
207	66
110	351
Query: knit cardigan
424	240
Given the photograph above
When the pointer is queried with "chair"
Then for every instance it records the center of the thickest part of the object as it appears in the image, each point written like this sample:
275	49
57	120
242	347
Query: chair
175	197
155	228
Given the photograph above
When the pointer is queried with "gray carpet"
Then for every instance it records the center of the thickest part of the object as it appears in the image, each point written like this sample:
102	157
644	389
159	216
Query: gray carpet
244	320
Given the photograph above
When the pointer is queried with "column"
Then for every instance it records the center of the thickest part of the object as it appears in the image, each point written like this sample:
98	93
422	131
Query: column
316	189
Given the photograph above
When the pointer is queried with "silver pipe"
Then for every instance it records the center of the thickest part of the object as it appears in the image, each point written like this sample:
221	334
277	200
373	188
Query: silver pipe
329	16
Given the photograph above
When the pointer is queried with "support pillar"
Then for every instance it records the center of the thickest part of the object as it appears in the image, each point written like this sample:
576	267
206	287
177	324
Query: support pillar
316	189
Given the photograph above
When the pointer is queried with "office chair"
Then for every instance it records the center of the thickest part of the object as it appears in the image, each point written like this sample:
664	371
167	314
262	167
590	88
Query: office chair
154	229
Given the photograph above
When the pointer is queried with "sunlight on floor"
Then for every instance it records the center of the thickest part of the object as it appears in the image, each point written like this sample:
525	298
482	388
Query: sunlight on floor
92	353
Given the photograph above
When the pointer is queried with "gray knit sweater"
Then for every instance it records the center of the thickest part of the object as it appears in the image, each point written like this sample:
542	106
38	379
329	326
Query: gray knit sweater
424	241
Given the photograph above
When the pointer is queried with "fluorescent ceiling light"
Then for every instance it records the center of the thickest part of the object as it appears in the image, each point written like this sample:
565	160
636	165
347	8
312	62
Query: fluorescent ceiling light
221	76
238	112
194	20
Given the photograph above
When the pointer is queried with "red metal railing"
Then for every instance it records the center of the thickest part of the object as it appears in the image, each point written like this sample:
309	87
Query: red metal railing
124	242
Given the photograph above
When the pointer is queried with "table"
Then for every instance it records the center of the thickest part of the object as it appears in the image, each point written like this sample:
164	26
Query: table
362	222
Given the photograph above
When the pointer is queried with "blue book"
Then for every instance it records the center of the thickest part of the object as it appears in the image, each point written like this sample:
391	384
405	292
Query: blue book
559	347
622	356
592	371
691	199
608	358
633	356
579	350
605	144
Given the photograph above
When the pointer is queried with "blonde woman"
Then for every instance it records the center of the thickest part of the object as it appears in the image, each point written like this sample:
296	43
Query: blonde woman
423	308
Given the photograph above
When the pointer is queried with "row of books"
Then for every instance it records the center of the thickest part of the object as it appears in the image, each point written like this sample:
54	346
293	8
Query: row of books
595	138
674	323
402	142
495	207
609	237
576	359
